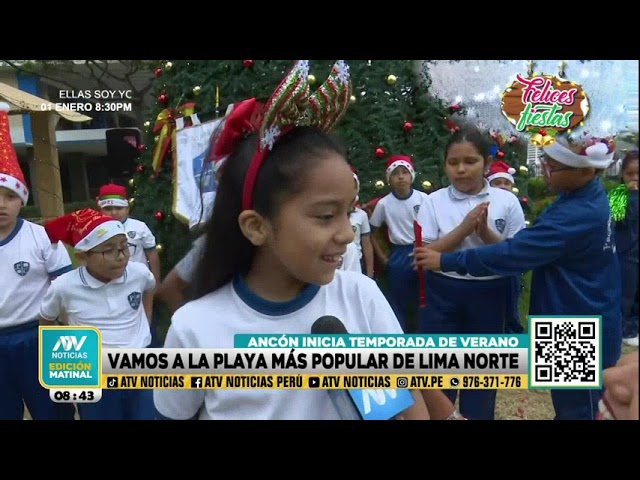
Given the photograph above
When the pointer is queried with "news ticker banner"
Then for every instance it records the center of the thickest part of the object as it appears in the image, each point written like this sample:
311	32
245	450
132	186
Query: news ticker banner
559	352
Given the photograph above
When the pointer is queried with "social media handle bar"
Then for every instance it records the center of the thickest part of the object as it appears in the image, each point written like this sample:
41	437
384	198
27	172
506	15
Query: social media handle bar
75	395
322	382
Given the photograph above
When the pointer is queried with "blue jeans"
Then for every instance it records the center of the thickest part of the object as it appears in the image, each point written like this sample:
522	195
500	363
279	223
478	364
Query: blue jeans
629	271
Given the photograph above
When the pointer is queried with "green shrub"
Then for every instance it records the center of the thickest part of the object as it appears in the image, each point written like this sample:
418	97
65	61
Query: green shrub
33	212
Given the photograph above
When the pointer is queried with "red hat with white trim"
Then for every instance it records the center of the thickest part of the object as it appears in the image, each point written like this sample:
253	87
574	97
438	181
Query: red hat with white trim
83	229
112	195
501	170
11	175
396	161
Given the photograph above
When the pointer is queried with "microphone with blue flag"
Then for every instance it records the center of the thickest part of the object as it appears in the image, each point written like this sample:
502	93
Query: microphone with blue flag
362	404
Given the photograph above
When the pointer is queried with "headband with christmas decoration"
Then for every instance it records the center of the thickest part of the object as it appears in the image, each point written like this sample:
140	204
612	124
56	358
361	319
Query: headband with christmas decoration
112	195
289	106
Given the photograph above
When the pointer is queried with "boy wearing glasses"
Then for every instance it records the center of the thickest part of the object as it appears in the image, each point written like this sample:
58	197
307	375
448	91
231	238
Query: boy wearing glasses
113	201
571	251
107	292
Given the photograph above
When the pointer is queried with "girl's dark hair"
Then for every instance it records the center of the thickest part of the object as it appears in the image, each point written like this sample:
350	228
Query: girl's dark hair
473	136
227	251
628	158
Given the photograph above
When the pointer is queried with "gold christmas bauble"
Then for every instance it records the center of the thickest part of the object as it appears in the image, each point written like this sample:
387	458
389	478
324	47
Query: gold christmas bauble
391	79
379	184
515	190
159	247
426	184
131	200
312	79
168	65
131	182
523	169
156	138
352	99
527	223
196	90
147	124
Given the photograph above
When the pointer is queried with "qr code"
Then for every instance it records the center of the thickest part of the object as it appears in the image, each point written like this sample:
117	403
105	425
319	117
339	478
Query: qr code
565	352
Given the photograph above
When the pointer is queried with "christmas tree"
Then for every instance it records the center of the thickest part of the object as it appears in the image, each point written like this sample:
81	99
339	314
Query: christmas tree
390	114
512	149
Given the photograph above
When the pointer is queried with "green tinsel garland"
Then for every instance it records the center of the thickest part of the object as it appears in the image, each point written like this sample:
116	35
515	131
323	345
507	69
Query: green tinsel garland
618	200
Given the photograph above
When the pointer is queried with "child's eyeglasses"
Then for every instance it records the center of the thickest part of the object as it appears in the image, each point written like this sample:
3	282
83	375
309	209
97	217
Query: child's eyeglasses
549	169
114	253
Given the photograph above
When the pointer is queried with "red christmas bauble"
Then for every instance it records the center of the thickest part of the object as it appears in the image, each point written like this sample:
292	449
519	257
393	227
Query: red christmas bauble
525	199
247	63
158	216
141	147
380	152
140	168
454	108
158	72
162	98
500	154
407	126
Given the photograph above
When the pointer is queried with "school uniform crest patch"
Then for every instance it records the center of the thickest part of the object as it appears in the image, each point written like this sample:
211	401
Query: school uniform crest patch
131	234
134	299
501	224
416	208
21	268
354	228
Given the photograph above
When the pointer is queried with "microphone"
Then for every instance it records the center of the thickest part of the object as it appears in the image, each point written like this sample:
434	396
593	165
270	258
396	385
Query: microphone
362	404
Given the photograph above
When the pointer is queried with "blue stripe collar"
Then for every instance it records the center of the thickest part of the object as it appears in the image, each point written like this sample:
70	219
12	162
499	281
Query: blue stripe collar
267	307
15	231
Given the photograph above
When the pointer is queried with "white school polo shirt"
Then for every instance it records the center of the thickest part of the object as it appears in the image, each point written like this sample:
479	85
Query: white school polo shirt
187	265
212	321
398	214
28	262
360	224
351	259
115	308
445	209
139	238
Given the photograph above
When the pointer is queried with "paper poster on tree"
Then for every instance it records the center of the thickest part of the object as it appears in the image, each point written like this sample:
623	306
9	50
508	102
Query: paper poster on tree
195	182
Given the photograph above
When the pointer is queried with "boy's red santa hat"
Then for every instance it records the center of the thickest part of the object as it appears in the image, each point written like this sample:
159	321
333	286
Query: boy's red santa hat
11	175
113	195
396	161
501	170
83	229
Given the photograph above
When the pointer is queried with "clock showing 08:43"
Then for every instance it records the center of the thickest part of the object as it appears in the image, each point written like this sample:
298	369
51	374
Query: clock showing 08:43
75	395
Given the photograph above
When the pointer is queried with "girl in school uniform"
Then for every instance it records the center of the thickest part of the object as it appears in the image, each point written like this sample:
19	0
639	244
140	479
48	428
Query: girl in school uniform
279	228
467	214
624	207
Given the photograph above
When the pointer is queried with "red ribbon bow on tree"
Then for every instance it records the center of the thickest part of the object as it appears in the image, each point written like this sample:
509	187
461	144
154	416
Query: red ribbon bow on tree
165	125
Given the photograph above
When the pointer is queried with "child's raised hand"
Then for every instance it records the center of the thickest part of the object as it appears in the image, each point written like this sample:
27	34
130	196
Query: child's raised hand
426	258
632	185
